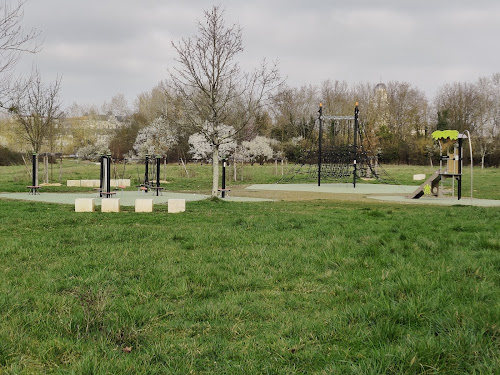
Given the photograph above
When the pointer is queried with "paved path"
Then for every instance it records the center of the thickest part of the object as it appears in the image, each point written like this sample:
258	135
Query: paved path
381	192
440	201
127	198
338	188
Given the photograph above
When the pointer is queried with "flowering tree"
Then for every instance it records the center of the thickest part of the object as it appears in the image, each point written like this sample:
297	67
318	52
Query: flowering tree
258	149
93	151
201	145
213	88
156	138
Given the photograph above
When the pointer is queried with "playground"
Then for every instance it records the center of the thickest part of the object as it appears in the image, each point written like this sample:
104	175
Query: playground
249	184
342	160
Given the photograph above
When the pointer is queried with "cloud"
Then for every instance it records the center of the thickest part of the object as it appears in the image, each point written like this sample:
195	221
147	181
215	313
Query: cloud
105	47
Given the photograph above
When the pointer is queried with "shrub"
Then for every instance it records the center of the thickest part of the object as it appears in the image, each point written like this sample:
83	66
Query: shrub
9	157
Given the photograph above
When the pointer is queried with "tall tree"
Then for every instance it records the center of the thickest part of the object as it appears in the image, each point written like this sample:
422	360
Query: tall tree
460	100
487	116
36	108
214	89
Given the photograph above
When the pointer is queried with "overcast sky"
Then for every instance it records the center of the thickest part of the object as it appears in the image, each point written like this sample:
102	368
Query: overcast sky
105	47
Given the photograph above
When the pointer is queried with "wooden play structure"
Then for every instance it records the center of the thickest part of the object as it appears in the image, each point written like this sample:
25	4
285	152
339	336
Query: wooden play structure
450	165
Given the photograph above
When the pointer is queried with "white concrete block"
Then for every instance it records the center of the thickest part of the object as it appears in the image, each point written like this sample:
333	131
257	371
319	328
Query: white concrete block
73	183
143	205
84	204
125	182
96	183
90	183
176	205
110	205
418	177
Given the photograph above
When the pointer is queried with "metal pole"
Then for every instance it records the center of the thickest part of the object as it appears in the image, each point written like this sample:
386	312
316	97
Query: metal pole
356	114
158	171
146	174
34	175
223	192
101	177
108	175
460	155
320	117
471	161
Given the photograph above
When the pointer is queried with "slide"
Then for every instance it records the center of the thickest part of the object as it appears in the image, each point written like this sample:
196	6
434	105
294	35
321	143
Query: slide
432	182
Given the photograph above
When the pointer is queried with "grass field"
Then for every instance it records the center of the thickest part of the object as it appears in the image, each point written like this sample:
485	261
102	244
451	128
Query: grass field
316	287
15	178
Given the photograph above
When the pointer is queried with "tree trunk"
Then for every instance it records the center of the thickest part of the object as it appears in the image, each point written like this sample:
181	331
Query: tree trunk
215	171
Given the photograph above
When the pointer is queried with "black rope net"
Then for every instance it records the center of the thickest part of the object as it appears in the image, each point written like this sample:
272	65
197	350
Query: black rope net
337	164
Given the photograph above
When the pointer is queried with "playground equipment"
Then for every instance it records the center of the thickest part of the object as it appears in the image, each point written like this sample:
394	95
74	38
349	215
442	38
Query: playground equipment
451	155
342	159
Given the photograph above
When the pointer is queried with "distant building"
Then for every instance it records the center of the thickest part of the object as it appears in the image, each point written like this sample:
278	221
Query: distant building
380	103
380	92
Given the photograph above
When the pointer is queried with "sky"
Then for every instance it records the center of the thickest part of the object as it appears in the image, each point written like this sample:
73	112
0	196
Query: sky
101	48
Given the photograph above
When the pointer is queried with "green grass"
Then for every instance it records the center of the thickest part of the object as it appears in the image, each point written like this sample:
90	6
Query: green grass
317	287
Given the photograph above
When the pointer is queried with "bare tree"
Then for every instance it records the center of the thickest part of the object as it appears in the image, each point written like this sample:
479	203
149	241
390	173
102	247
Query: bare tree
487	116
212	85
36	108
14	40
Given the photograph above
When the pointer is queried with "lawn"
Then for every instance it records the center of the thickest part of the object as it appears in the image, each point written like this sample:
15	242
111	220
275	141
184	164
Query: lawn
316	287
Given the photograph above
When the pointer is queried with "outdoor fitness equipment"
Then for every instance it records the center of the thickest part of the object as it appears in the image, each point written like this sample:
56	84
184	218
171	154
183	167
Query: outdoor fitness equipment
157	188
223	190
151	175
33	189
105	179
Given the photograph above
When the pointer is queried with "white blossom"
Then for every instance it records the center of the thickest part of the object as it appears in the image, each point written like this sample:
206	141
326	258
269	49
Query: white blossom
258	149
93	151
201	145
156	138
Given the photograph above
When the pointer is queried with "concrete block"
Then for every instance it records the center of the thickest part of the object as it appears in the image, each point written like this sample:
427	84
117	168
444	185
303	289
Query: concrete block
90	183
110	205
73	183
176	205
143	205
84	204
418	177
125	182
96	183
